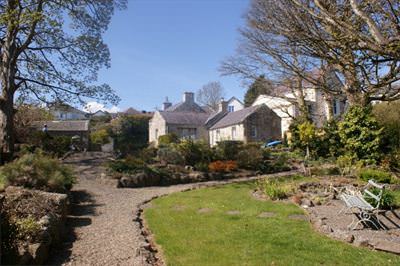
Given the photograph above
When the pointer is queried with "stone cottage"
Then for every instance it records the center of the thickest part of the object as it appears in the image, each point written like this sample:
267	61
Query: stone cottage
254	123
78	129
186	119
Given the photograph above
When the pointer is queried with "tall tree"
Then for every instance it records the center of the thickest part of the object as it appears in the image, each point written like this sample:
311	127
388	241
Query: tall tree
51	49
211	94
358	39
260	86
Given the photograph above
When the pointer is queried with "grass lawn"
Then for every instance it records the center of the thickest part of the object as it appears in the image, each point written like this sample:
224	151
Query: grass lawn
214	237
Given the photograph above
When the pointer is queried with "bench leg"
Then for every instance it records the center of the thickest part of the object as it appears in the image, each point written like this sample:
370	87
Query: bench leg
365	217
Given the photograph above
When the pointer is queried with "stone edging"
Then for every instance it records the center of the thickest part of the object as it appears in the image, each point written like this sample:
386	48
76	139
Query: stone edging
149	249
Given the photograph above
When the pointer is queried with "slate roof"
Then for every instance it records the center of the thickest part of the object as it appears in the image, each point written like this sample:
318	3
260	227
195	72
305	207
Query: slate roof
186	107
184	118
237	117
214	118
65	108
69	125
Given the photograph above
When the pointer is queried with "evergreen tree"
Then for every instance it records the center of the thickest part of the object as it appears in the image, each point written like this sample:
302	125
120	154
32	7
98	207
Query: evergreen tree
260	86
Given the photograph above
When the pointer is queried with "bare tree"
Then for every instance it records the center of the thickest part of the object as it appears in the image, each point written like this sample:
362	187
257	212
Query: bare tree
211	94
43	56
358	39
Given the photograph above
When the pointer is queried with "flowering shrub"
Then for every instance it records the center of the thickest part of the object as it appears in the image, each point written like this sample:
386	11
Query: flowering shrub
223	166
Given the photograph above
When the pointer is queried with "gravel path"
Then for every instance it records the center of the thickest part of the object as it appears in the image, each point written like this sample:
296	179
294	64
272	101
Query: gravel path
102	226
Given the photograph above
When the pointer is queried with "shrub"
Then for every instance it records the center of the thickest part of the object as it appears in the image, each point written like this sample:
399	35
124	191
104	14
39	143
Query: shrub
228	149
223	166
128	165
201	166
148	154
250	158
360	134
100	137
38	171
377	175
195	152
170	155
130	133
345	164
168	139
387	200
274	189
27	228
55	145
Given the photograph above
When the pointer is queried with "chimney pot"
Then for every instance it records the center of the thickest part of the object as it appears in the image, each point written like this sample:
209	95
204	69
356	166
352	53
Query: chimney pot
188	97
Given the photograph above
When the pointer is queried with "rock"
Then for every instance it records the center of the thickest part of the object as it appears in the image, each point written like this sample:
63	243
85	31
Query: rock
306	203
197	176
189	168
39	252
388	246
139	180
299	217
267	214
361	242
204	210
234	212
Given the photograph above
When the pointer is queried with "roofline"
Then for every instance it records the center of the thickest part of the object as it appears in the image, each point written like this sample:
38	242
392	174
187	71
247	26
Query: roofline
258	106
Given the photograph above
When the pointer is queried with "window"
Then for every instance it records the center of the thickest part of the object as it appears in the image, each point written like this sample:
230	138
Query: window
156	134
336	107
253	131
188	133
218	134
233	133
231	108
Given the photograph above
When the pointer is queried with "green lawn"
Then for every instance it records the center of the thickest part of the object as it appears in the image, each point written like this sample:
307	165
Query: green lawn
188	237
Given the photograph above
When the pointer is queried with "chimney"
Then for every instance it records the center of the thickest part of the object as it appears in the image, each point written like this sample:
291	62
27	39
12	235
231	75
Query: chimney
166	104
188	97
223	106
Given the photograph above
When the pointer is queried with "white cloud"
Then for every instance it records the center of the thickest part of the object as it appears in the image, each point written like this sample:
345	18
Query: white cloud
93	107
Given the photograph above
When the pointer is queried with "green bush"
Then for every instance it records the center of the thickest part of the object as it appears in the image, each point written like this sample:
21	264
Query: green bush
130	133
250	158
387	200
360	134
100	137
38	171
168	139
128	165
148	154
170	155
195	151
345	164
51	144
274	189
228	149
201	166
377	175
27	228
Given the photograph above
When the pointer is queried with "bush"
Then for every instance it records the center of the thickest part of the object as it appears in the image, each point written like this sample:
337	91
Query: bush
228	149
27	228
38	171
148	154
170	155
128	165
168	139
360	134
202	166
130	133
55	145
387	201
195	152
377	175
223	166
100	137
250	158
274	189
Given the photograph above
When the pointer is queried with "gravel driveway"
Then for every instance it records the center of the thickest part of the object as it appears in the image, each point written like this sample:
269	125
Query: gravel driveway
101	227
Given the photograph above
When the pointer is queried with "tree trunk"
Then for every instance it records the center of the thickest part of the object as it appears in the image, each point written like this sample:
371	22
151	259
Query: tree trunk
8	70
6	130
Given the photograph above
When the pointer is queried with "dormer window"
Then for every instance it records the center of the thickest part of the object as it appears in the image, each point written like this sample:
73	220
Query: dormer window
231	108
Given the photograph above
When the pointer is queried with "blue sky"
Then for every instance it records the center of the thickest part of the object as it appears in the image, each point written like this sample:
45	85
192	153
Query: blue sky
162	48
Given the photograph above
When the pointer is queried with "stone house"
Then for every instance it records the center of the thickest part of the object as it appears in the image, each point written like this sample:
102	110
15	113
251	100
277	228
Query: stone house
318	102
79	129
63	112
186	119
252	124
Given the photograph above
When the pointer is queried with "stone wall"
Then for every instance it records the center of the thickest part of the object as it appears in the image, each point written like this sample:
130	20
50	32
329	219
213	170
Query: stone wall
267	124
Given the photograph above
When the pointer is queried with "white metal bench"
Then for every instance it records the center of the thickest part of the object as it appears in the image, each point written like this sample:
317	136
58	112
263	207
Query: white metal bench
356	203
